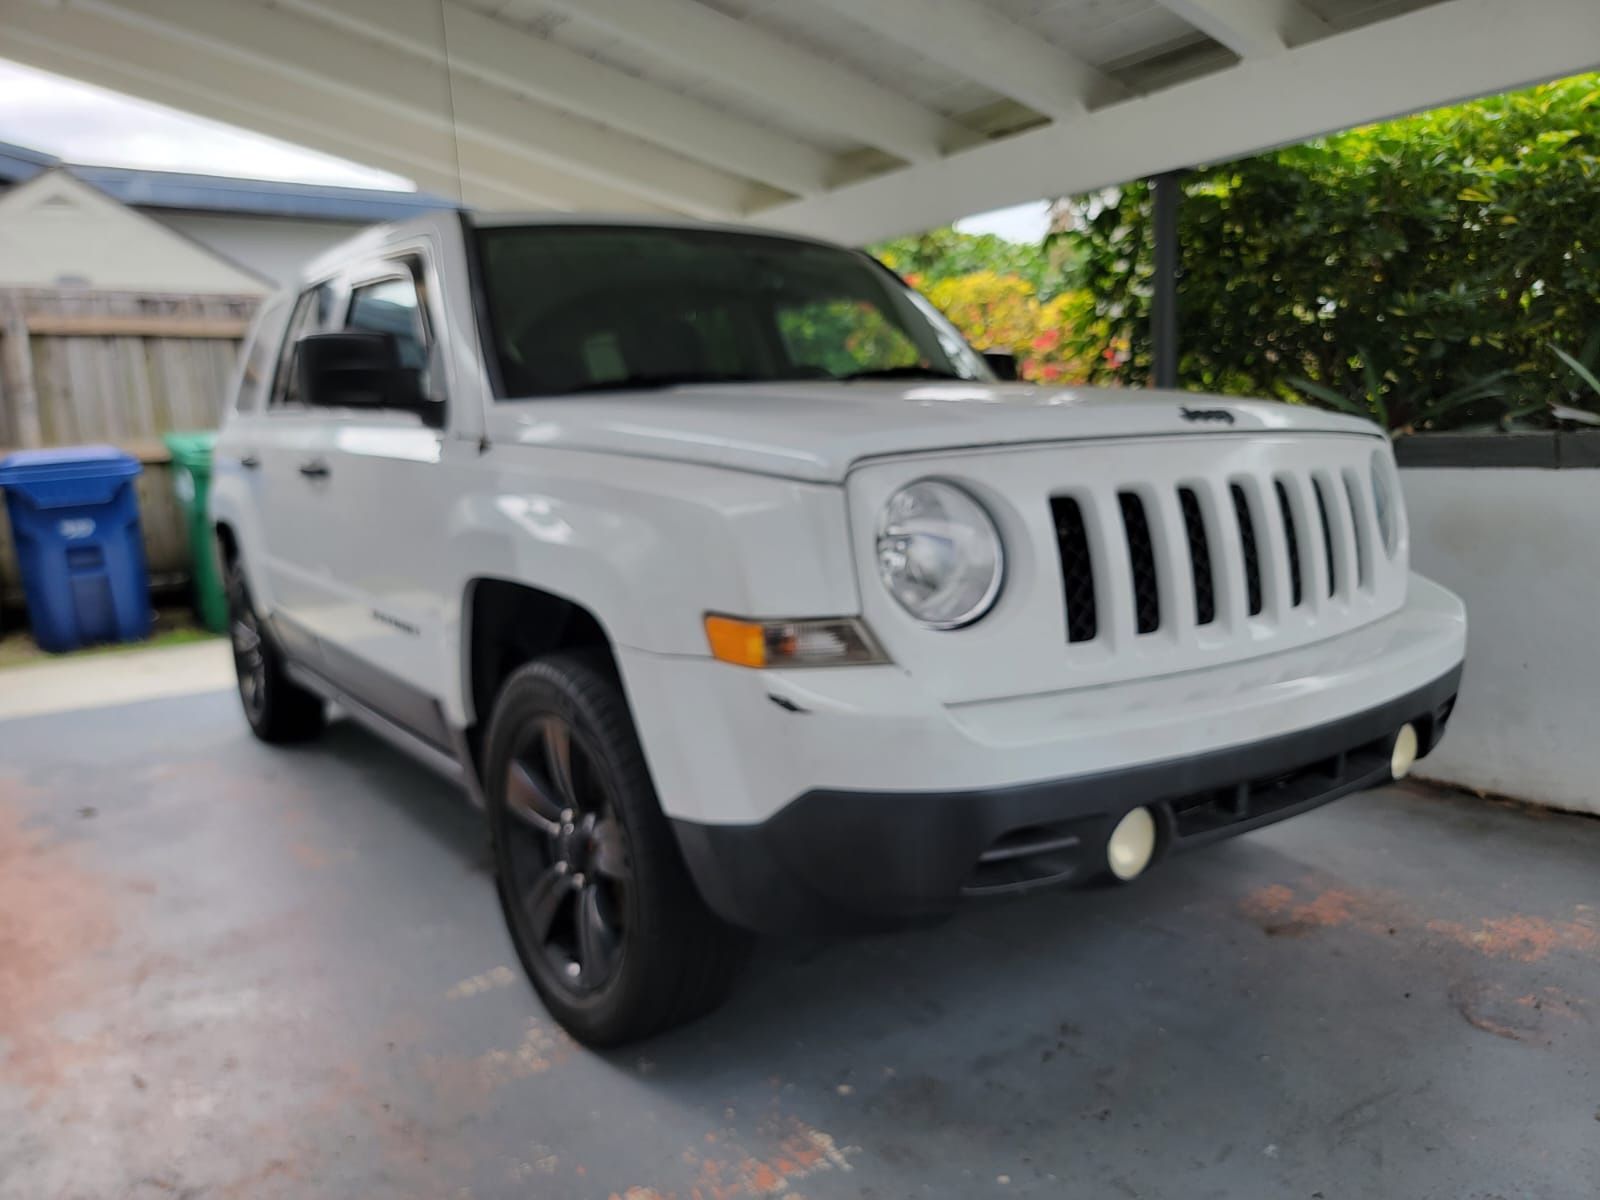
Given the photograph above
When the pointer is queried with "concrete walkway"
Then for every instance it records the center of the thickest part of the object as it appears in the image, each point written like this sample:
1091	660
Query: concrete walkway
240	973
100	680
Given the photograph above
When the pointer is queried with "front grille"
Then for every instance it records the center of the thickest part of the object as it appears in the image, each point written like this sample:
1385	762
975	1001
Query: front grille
1194	528
1077	569
1353	493
1237	548
1142	558
1296	584
1247	540
1327	532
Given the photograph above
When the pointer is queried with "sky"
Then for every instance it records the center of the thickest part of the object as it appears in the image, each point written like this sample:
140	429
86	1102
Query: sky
86	124
1019	223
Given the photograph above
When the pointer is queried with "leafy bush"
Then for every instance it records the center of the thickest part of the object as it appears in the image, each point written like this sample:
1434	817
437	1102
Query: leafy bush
940	254
1425	270
1002	312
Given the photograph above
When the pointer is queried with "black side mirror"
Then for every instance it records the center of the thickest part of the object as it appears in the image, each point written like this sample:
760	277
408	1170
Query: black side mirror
1003	363
358	370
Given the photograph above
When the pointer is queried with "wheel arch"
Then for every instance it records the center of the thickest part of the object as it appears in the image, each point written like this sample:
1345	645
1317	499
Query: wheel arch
506	623
227	543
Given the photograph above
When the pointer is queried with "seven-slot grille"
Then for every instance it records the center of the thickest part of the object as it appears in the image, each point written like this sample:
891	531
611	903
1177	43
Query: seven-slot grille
1306	519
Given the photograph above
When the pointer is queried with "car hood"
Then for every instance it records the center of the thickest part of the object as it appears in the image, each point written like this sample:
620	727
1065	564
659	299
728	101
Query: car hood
818	431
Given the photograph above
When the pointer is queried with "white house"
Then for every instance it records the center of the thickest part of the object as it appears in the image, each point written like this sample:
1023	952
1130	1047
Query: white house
57	232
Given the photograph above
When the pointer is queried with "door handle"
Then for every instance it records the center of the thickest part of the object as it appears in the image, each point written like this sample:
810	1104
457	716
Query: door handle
314	468
249	462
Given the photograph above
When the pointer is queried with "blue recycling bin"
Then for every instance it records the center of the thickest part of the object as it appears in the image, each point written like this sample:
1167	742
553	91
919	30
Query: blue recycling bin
75	521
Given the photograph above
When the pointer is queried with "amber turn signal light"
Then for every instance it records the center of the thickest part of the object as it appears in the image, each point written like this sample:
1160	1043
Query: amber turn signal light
830	642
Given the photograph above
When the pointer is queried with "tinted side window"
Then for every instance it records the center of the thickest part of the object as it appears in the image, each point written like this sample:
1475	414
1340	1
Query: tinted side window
255	368
310	314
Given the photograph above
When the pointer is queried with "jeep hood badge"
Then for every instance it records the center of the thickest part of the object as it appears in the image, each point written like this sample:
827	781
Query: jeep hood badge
1206	414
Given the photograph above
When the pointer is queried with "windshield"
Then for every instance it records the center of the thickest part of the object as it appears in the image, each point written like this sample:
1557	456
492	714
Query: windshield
593	308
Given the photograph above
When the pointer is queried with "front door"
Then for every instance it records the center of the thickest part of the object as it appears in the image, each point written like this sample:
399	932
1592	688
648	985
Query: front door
383	629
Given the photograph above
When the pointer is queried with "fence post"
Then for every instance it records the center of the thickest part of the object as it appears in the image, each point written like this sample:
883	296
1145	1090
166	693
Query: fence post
16	375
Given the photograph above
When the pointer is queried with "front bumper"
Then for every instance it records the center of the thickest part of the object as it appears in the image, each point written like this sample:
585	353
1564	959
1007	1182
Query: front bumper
840	859
899	793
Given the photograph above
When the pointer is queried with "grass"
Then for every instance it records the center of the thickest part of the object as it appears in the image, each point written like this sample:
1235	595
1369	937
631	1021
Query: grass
171	627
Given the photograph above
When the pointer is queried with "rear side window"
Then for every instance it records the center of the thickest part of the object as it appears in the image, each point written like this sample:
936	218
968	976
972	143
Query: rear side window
255	368
310	314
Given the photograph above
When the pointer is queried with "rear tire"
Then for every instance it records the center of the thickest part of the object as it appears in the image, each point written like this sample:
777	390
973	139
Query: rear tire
601	908
279	710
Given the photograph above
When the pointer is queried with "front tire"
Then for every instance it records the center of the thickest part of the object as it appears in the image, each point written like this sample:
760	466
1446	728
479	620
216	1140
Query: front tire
600	906
279	710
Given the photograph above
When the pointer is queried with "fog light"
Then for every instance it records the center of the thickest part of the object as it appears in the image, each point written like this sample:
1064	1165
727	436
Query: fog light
1404	756
1132	844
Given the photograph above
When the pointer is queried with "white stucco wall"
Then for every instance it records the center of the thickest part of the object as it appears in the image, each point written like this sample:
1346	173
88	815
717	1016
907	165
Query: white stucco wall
276	247
1522	546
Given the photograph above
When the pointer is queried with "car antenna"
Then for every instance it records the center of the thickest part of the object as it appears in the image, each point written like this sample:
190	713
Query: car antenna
450	100
455	141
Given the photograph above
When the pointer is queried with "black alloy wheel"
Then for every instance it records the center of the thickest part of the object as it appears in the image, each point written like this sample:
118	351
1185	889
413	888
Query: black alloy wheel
605	917
568	856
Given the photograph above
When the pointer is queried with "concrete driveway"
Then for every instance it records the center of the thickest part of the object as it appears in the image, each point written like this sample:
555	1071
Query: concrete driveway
233	972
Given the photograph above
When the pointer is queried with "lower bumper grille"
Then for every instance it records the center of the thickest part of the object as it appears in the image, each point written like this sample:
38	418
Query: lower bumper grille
1252	800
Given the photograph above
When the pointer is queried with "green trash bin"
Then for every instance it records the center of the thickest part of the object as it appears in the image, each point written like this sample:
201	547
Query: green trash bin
191	479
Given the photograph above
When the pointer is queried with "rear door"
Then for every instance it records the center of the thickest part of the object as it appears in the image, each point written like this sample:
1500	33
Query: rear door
236	479
295	504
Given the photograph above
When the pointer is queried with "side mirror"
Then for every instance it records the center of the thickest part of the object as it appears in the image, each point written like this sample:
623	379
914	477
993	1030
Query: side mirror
1003	363
358	370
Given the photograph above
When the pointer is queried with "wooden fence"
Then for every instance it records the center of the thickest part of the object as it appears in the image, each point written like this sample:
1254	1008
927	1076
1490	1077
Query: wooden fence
116	367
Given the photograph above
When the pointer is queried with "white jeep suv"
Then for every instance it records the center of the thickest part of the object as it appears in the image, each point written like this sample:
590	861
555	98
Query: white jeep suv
745	595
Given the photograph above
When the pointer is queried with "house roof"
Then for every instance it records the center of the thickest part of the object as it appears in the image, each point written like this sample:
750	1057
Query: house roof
219	193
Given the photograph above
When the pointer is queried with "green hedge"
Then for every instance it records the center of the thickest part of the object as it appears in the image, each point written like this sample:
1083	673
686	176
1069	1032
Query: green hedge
1426	269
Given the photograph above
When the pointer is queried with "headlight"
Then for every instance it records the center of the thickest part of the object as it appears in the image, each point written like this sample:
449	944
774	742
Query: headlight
1386	500
939	554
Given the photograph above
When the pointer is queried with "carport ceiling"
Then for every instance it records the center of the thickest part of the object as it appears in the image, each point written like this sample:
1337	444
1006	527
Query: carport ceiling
850	118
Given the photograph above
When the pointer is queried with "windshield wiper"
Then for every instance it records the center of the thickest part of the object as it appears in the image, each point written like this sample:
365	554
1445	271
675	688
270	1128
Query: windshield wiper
899	373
